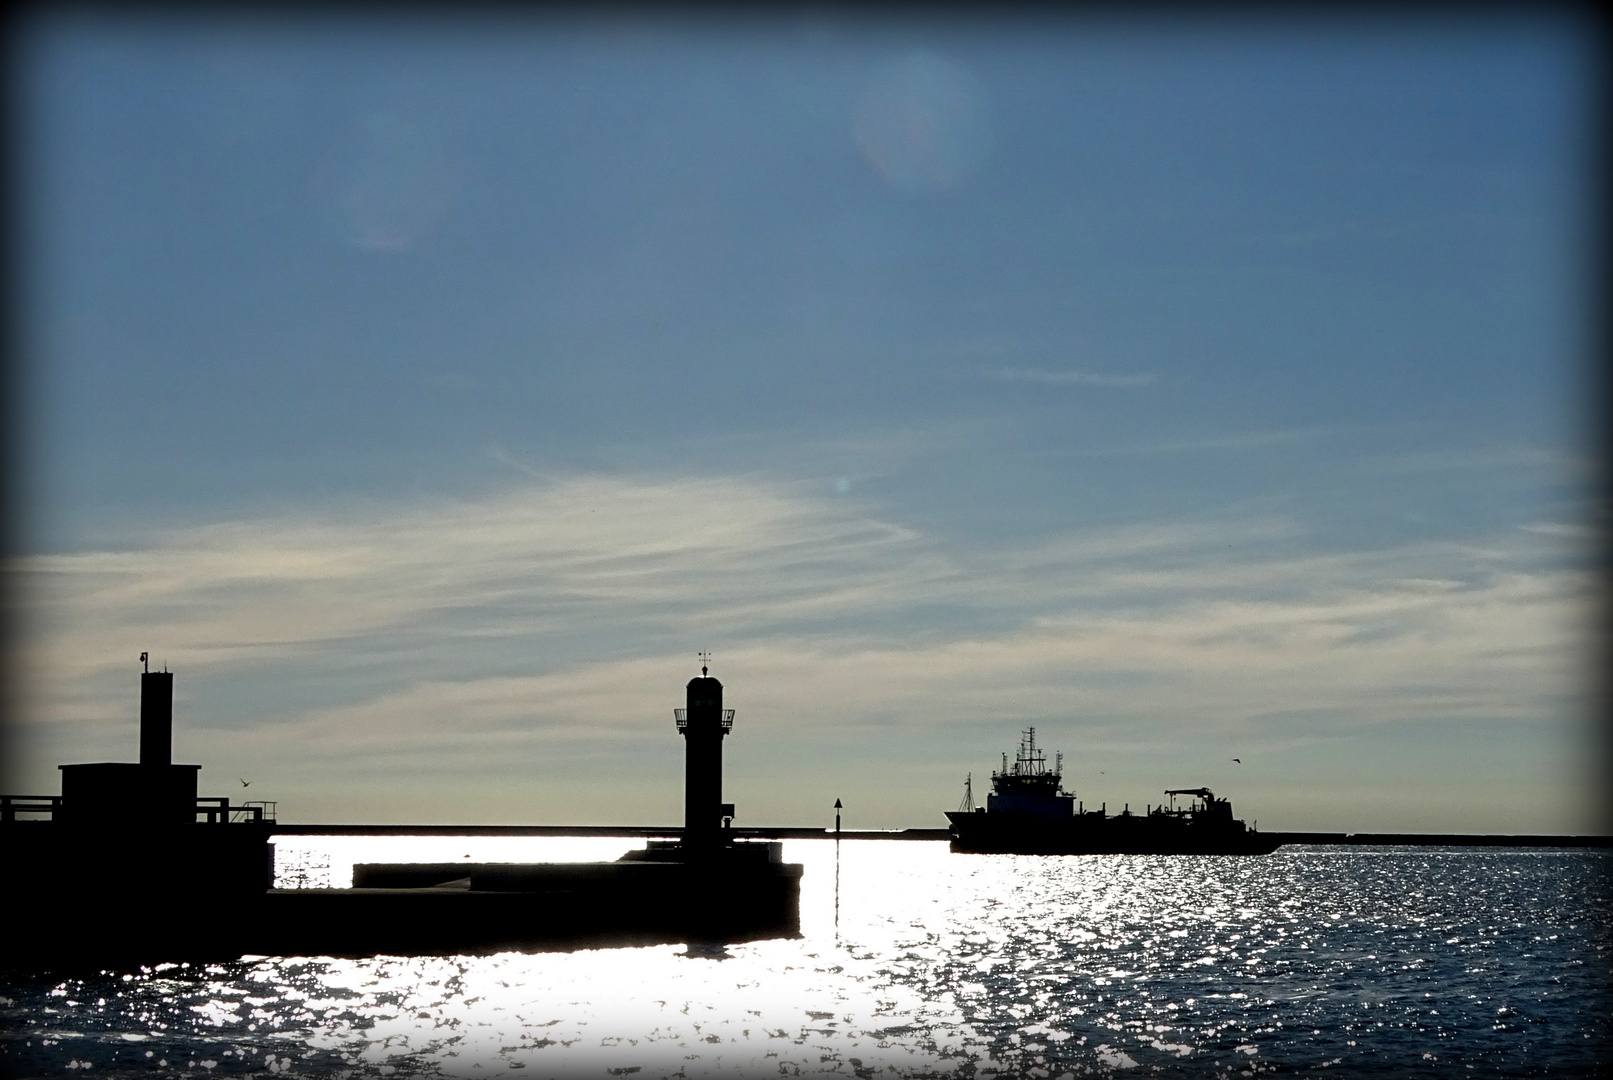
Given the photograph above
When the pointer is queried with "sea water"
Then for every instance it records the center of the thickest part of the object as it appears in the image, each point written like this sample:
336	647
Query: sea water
912	961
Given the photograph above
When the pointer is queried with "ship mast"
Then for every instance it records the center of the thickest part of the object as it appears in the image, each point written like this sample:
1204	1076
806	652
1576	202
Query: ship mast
967	806
1029	761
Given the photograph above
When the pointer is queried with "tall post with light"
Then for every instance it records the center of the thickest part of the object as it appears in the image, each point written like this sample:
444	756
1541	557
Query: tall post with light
156	717
703	723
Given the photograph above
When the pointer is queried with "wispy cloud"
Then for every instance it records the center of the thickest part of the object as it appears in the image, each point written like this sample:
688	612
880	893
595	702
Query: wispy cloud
469	638
651	554
1570	530
1487	458
1242	440
1069	377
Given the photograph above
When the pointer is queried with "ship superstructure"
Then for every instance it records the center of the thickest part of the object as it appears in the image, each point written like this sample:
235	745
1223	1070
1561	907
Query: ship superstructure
1028	786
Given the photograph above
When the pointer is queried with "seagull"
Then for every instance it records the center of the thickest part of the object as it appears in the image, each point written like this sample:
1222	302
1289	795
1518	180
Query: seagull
1238	760
245	783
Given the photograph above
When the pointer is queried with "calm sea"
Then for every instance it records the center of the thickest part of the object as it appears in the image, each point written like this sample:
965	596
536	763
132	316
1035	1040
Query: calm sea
917	962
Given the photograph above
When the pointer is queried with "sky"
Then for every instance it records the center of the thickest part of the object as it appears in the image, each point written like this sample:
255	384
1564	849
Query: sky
426	392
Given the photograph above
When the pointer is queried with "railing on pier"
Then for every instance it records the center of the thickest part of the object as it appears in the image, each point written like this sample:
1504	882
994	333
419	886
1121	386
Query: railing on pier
260	810
682	716
12	805
217	810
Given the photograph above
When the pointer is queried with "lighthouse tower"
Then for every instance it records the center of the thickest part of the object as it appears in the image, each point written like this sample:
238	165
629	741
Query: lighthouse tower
703	723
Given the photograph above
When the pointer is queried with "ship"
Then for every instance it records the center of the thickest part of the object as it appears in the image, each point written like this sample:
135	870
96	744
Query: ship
1029	813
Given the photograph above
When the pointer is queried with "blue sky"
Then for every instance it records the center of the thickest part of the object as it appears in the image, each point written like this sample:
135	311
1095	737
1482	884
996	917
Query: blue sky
426	393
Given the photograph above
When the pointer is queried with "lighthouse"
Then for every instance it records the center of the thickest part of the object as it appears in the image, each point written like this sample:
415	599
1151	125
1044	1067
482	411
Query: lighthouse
703	722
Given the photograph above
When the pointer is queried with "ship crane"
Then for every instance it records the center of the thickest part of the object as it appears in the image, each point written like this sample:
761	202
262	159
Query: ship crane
1197	792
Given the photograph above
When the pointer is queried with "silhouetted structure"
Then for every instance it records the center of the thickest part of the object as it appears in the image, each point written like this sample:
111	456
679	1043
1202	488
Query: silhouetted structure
703	722
156	717
1028	813
155	790
127	864
128	860
704	886
150	793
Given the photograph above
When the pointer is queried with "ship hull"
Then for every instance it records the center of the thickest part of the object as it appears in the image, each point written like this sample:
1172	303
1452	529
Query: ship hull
1019	834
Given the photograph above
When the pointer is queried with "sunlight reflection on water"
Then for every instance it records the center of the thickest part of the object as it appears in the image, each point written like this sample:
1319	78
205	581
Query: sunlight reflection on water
933	964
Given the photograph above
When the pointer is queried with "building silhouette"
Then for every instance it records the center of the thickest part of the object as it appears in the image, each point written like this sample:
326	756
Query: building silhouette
129	864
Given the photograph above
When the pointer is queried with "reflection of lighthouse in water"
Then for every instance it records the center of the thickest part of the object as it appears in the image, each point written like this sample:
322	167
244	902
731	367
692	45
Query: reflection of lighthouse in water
703	723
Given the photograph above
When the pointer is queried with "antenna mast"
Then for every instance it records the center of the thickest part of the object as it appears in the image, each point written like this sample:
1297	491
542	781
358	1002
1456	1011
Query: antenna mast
968	804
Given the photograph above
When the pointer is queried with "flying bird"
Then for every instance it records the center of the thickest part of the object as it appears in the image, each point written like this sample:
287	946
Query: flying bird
245	783
1238	760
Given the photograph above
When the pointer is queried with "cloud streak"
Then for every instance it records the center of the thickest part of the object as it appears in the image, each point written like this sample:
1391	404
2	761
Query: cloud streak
1486	459
1069	377
557	619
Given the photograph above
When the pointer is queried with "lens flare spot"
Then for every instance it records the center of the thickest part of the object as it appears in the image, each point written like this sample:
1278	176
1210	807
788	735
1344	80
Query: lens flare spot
385	184
922	124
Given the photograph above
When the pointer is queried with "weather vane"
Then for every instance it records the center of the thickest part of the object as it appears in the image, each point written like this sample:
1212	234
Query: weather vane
705	658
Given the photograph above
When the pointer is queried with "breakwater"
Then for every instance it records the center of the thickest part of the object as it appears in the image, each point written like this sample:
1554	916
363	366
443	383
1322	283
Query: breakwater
796	833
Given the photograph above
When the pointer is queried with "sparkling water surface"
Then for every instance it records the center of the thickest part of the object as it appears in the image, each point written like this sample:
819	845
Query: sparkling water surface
913	961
